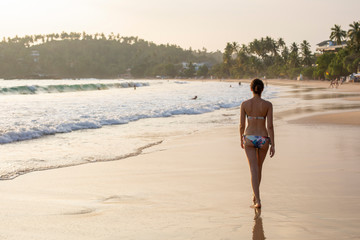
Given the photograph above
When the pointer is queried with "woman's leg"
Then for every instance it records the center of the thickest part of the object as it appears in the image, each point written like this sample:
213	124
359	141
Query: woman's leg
261	154
251	153
256	159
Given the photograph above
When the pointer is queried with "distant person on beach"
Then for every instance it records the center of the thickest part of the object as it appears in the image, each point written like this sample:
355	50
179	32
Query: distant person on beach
334	83
342	80
258	135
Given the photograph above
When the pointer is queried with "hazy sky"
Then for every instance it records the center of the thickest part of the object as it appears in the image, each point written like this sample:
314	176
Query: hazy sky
188	23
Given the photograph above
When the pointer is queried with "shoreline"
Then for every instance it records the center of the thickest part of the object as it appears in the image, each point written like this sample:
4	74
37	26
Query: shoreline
197	186
274	81
346	87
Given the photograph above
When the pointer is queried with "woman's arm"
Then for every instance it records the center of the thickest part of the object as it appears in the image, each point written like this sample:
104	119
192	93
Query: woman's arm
242	123
270	128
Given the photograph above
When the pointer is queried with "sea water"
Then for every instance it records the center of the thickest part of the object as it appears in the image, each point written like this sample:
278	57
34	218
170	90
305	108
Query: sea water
48	124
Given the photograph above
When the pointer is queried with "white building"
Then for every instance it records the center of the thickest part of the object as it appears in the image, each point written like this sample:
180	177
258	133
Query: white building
330	46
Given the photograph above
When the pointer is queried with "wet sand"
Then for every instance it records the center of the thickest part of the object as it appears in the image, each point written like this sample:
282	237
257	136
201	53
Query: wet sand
353	98
345	87
198	187
343	118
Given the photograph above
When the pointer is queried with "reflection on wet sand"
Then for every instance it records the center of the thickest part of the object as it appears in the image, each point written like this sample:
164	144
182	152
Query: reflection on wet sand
304	90
258	229
328	96
316	108
316	93
312	100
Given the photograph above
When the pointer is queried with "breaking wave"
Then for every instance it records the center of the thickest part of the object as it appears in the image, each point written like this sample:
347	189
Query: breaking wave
60	88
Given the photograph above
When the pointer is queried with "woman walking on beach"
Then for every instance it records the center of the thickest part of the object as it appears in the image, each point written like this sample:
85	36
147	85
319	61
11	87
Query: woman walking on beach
258	135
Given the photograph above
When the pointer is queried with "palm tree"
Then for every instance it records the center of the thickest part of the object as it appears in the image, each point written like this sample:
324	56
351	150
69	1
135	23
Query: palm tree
259	47
265	47
354	35
281	43
337	34
306	53
235	47
227	58
244	49
255	65
294	55
294	48
285	54
255	47
272	46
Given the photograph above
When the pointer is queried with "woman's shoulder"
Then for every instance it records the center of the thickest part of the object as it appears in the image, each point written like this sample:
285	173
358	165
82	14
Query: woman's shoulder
268	103
245	102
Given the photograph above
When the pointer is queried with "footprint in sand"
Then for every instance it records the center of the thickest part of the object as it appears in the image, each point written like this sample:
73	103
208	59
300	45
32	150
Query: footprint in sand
116	199
80	211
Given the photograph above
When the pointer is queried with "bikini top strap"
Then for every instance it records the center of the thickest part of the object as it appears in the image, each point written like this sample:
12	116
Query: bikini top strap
249	117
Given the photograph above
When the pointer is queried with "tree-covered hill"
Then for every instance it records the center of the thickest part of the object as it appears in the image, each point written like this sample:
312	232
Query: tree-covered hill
78	55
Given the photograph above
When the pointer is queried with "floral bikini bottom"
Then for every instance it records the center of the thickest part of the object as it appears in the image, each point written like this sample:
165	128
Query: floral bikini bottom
257	141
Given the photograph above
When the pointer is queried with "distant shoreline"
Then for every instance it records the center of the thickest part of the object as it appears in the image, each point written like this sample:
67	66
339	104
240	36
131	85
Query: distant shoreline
345	87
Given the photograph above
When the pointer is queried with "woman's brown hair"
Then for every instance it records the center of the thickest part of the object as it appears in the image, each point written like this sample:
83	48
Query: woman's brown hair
257	86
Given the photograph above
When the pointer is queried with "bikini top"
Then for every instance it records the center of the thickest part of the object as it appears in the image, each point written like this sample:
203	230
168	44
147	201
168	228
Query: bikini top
249	117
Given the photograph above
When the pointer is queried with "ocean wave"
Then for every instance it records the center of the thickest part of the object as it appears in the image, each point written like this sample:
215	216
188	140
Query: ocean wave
86	122
60	88
31	118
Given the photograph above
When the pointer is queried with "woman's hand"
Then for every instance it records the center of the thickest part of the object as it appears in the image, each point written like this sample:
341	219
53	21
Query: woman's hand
242	143
272	151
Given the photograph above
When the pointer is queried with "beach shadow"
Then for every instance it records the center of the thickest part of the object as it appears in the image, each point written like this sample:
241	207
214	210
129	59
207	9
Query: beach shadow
258	229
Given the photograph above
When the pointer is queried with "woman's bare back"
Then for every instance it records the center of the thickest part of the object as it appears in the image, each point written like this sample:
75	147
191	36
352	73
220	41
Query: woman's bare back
257	110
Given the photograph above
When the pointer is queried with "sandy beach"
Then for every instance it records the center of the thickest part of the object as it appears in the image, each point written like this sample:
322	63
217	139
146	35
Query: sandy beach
198	186
345	87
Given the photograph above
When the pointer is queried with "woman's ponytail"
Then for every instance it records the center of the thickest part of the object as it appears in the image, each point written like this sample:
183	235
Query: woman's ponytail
257	86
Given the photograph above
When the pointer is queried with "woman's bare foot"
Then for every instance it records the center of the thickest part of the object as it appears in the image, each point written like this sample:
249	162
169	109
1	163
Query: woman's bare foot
257	205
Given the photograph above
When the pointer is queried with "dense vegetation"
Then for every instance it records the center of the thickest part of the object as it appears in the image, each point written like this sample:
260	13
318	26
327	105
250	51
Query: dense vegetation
264	57
78	55
345	61
273	59
75	55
